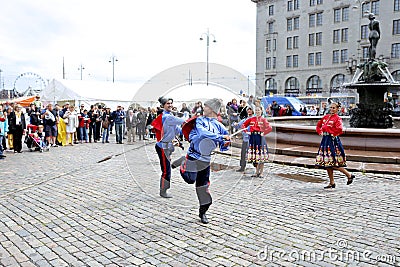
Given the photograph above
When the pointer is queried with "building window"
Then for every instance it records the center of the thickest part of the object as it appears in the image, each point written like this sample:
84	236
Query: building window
319	19
295	61
271	10
365	8
337	82
345	14
274	62
311	59
365	53
289	43
290	5
336	15
345	32
296	4
270	27
396	26
335	57
292	87
372	7
364	31
288	61
289	24
271	86
296	23
341	14
396	75
311	39
336	36
314	85
311	20
318	58
395	50
396	5
295	42
268	46
274	44
344	56
316	2
318	38
375	7
268	63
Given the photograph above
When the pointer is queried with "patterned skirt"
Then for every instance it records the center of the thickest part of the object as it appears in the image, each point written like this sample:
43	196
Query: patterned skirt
330	153
258	149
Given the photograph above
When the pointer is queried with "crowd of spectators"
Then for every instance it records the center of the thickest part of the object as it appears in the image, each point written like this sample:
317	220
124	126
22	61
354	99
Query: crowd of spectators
57	125
68	125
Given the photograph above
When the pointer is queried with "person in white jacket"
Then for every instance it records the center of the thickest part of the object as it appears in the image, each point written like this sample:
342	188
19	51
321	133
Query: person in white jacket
71	120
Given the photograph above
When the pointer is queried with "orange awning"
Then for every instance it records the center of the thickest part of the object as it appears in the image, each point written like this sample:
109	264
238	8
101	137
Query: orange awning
24	101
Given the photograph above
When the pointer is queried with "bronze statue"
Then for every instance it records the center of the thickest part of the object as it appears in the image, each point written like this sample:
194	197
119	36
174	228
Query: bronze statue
374	35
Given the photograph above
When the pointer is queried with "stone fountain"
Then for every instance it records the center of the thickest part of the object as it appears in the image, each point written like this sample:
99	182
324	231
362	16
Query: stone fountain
372	80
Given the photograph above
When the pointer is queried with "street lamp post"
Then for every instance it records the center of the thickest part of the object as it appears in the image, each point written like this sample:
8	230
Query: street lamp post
113	60
207	34
81	68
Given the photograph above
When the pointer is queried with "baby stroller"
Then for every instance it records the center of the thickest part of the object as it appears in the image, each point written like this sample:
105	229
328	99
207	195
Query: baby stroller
34	139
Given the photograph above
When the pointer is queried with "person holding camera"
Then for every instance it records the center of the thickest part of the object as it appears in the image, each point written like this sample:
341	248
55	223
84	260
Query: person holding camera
119	121
50	121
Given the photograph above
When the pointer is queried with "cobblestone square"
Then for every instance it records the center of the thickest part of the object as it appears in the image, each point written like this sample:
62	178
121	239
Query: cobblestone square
98	205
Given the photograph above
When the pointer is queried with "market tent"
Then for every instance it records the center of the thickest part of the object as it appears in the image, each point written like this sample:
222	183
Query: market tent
190	94
191	73
89	92
24	101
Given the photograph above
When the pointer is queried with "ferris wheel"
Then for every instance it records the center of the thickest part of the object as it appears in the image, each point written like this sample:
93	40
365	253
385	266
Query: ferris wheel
28	83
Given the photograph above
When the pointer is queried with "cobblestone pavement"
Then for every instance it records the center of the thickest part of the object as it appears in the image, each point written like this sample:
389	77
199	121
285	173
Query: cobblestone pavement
98	205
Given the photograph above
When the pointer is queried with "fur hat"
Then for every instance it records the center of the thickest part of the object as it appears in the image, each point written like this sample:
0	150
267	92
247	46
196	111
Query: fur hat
164	100
215	104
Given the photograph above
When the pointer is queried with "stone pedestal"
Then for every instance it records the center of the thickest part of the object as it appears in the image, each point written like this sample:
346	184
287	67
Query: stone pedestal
371	111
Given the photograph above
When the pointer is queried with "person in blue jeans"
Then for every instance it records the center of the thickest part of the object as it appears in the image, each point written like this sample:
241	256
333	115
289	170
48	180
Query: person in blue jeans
3	131
106	121
119	118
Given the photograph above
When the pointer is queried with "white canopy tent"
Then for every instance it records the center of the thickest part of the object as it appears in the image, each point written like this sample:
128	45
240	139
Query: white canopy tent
190	94
89	93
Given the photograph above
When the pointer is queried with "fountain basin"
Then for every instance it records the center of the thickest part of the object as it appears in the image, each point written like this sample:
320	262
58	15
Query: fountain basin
288	130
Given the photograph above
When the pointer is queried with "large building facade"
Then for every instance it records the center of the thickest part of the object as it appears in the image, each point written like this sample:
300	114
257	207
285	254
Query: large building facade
311	47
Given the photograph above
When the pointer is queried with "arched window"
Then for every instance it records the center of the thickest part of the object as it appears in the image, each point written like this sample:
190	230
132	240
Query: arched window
396	75
337	82
270	86
314	85
292	87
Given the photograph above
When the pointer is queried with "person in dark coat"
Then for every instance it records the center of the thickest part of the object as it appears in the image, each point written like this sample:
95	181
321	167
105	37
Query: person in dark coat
17	125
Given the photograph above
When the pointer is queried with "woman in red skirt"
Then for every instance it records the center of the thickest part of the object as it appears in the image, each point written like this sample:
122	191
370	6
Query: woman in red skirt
331	154
258	151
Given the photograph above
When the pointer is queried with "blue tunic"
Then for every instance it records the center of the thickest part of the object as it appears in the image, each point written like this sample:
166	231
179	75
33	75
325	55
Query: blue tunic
205	137
171	129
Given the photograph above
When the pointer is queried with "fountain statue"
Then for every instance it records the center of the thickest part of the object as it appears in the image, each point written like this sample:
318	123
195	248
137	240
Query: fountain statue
372	80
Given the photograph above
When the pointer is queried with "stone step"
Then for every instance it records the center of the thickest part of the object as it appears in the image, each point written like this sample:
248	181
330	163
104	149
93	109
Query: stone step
361	161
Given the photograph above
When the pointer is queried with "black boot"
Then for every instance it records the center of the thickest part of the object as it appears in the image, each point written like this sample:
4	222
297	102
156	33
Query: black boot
203	218
202	213
176	163
164	194
164	186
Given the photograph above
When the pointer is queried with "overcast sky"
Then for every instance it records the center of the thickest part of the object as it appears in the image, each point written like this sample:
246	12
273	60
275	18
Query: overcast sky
146	37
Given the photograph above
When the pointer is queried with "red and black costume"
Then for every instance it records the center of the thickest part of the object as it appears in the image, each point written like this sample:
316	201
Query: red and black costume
258	150
330	152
